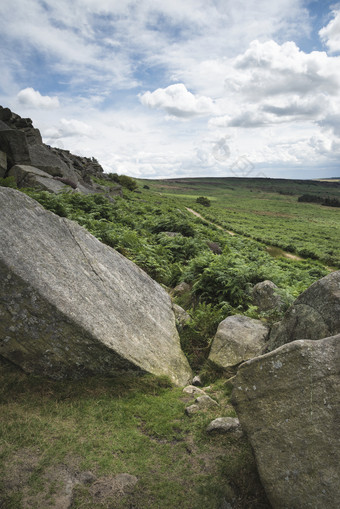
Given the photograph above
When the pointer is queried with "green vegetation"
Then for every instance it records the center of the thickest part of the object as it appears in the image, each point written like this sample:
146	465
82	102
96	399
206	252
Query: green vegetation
134	425
267	210
137	424
160	235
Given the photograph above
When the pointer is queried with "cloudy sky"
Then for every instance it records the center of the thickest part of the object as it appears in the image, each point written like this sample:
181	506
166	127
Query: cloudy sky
168	88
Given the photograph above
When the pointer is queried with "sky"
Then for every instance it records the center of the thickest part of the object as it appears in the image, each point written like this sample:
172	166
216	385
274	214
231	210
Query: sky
180	88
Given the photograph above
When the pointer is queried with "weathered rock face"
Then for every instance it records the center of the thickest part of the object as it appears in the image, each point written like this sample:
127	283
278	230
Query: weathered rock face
314	315
29	176
288	403
238	338
265	297
22	144
72	306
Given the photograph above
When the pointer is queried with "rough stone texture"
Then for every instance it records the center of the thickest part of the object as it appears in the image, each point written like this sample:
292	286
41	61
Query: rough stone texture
23	145
182	317
182	288
191	389
264	296
72	306
224	425
3	163
206	401
288	404
14	144
238	338
314	315
192	409
29	176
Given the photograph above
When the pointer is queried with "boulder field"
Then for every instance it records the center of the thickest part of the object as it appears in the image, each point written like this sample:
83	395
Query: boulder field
72	306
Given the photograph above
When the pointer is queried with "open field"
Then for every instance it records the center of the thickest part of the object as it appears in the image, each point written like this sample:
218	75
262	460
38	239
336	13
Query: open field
267	210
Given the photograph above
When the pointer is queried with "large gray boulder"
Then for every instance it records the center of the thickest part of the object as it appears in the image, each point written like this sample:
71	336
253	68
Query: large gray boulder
72	306
237	339
314	315
288	404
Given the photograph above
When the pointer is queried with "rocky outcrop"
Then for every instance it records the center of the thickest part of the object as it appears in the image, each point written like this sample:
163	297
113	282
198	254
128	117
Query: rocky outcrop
265	296
288	404
22	145
238	338
314	315
71	306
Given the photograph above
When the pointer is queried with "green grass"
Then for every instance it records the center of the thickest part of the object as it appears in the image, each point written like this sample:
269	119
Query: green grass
134	425
267	210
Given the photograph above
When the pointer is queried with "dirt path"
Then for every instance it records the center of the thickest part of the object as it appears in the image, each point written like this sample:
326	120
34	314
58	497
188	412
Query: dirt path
272	250
210	222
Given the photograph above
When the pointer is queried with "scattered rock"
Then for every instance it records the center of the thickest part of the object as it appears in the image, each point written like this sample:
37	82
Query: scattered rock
192	409
214	247
288	404
206	401
71	306
314	315
197	381
192	389
265	296
182	317
224	425
238	338
182	288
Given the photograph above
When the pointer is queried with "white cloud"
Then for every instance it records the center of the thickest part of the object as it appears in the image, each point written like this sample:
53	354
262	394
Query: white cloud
33	99
330	34
177	101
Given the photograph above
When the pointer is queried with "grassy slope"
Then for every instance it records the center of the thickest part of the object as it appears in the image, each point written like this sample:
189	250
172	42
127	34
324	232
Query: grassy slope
267	210
119	425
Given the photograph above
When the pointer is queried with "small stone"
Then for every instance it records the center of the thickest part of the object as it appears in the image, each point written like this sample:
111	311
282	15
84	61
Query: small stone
192	409
191	389
197	381
206	402
224	425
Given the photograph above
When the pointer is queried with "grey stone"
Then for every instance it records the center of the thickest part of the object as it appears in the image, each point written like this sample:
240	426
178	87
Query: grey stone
206	401
182	288
288	404
265	296
238	338
71	306
3	163
224	425
29	176
197	380
14	144
182	317
314	315
192	409
191	389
